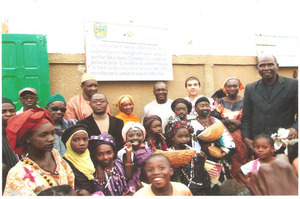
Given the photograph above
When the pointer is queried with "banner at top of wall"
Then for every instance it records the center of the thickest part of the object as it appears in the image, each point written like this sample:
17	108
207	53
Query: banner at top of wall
125	52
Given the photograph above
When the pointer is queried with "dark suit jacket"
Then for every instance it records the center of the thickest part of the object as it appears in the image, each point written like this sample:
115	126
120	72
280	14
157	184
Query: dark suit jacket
263	115
115	129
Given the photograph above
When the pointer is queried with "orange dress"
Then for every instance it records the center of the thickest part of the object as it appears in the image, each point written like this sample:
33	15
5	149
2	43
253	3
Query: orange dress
128	118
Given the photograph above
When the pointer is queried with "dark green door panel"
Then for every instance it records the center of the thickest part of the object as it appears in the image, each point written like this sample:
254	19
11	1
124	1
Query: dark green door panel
25	64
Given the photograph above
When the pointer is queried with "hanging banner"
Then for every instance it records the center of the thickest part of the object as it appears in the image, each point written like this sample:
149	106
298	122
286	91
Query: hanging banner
120	52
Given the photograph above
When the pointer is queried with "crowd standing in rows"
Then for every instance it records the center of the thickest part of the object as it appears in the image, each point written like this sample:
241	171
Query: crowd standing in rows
196	145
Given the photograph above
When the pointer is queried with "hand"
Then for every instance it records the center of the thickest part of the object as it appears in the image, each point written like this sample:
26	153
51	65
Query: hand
237	123
127	193
201	155
100	174
277	178
293	134
128	148
249	143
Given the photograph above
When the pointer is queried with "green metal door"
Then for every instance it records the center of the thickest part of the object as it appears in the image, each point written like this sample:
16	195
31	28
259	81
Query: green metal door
25	64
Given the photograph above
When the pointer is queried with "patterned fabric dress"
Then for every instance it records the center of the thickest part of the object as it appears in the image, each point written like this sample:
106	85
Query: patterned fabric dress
26	178
233	111
115	182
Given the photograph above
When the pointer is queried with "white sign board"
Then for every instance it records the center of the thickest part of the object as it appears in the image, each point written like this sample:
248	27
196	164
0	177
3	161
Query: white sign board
120	52
284	48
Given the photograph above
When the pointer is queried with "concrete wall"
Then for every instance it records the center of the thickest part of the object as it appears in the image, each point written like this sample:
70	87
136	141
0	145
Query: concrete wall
66	71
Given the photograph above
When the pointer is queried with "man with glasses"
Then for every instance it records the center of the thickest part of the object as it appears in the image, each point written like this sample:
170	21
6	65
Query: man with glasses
28	98
56	106
161	106
100	121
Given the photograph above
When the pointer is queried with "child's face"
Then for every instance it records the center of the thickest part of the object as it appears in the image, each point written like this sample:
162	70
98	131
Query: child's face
155	127
263	148
79	142
181	110
181	138
136	136
105	155
158	171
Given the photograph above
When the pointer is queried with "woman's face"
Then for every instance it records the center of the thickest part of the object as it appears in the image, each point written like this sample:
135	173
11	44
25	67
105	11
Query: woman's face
79	142
127	107
181	138
42	138
155	127
232	87
181	110
136	136
105	155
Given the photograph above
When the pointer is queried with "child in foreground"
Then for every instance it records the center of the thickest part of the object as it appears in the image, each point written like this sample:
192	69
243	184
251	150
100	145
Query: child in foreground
158	169
263	146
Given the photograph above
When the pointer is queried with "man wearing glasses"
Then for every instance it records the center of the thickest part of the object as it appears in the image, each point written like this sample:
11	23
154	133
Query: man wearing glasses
56	106
28	98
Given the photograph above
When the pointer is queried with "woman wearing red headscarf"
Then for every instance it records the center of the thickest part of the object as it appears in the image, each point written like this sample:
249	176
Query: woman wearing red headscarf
229	111
31	134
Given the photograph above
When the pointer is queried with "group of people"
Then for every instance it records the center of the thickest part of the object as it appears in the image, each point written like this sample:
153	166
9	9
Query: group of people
79	148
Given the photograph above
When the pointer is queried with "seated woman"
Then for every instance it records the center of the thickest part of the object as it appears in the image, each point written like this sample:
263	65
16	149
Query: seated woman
78	156
126	105
193	175
229	111
217	149
31	133
103	152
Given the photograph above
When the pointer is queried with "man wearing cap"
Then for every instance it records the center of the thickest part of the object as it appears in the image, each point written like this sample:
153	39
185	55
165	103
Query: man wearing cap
78	107
28	98
56	106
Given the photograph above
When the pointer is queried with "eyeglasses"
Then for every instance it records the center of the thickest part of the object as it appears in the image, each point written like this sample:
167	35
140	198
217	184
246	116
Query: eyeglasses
29	97
98	101
56	109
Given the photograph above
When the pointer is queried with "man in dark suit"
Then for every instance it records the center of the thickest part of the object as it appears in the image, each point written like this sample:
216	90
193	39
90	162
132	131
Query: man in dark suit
99	121
269	103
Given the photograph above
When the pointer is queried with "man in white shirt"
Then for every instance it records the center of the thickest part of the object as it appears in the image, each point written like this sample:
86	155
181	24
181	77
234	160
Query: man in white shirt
192	86
161	106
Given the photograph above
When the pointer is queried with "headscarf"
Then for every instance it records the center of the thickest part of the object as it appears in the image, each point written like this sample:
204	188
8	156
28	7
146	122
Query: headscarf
19	127
224	86
139	159
183	101
56	97
83	161
7	101
133	126
122	99
103	138
174	127
202	99
148	121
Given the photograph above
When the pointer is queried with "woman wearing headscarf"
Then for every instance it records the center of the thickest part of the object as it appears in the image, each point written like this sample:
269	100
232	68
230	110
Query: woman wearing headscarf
125	104
78	157
229	111
31	134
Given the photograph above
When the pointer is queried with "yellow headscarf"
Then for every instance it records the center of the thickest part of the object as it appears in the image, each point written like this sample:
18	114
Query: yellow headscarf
82	162
224	86
122	99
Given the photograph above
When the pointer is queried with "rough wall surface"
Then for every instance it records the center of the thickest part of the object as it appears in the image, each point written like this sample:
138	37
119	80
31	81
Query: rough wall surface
66	71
